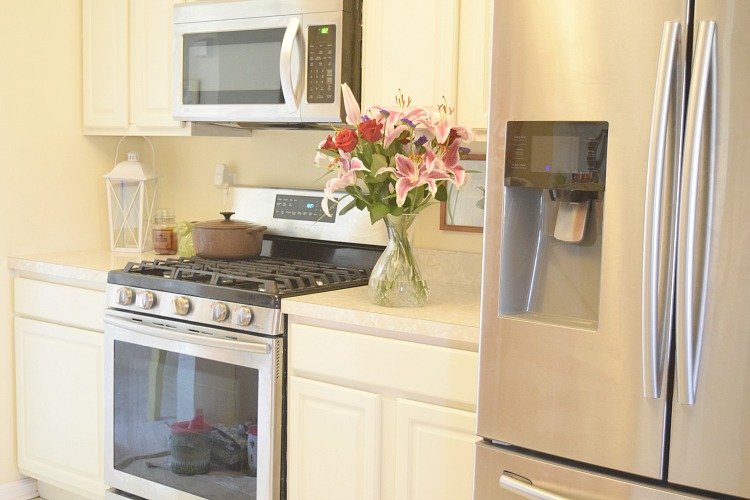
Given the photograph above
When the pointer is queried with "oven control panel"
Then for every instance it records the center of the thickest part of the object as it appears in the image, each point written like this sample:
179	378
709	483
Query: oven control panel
196	310
302	207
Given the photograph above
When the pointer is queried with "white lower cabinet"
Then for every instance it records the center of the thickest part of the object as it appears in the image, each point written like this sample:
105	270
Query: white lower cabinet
59	370
434	451
336	435
377	418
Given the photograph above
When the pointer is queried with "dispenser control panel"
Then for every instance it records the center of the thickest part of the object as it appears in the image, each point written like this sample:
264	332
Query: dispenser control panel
556	155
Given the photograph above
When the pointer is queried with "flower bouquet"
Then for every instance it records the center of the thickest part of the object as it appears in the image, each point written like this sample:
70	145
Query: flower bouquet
393	163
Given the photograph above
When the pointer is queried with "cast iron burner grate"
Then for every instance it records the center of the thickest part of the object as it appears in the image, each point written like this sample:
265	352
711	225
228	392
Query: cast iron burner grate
262	274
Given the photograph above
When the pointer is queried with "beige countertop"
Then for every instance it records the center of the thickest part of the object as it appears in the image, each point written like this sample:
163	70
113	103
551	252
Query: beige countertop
450	317
88	266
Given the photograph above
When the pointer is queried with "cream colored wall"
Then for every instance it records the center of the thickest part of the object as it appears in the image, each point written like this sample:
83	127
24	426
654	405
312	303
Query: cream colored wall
53	196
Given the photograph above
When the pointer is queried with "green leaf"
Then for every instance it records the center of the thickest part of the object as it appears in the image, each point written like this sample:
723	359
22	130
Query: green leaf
349	206
442	193
378	211
378	161
333	154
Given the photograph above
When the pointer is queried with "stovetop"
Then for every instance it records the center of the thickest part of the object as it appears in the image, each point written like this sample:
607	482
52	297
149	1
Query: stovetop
262	281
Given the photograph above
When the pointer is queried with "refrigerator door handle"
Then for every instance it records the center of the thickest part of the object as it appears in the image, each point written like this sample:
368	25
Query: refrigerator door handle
510	482
658	264
692	269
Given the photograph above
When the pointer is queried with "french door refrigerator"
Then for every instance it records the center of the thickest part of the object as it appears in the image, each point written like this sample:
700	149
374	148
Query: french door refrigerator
615	327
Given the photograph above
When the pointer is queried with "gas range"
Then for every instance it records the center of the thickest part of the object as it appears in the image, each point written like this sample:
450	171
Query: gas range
300	255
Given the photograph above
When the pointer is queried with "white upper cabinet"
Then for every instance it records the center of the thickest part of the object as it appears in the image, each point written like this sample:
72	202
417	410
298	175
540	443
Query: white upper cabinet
411	45
474	66
433	51
127	68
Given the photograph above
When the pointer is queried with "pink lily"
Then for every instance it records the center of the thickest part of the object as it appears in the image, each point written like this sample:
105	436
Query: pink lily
410	175
463	133
393	129
397	123
450	164
353	113
347	177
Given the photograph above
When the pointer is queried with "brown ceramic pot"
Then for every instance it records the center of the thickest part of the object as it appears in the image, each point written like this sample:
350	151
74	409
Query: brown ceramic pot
227	239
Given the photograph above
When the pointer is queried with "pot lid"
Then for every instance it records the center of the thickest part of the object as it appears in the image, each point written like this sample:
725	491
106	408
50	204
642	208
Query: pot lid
227	223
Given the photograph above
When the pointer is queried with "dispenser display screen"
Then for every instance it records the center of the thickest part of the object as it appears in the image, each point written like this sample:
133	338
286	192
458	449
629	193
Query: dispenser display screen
551	153
556	155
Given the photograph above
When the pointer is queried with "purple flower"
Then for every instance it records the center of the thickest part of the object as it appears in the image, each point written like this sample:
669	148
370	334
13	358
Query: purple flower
422	140
464	150
408	122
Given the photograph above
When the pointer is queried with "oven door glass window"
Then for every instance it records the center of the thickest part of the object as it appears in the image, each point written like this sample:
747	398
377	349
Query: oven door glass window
185	422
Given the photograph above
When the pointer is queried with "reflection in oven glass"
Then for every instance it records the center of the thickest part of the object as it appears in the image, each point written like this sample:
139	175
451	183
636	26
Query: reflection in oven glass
185	422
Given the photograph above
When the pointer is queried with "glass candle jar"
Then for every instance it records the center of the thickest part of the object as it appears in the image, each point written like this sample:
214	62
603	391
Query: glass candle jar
164	235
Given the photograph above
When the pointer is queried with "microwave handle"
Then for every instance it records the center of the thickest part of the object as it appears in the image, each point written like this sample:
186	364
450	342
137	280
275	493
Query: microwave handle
285	65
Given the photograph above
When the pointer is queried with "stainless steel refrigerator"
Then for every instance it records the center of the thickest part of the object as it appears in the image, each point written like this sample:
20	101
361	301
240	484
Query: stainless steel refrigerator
615	329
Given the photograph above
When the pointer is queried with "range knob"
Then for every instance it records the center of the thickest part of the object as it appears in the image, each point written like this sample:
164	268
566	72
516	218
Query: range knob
242	316
181	305
219	311
124	296
145	299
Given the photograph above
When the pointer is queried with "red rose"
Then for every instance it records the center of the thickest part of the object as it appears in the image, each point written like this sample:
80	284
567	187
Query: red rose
346	140
371	130
329	144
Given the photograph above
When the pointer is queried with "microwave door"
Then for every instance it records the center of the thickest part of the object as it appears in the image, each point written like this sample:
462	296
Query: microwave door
241	70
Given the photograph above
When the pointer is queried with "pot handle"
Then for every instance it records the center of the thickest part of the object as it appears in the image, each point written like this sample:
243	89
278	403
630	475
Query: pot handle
256	228
227	215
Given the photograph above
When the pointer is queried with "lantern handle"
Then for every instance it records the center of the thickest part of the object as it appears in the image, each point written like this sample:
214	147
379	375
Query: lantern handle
153	152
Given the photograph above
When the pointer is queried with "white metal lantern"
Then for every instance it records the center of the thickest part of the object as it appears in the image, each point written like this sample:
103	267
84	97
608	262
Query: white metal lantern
131	193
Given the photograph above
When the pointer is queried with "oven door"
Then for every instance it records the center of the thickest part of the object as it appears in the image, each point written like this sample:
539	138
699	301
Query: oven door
191	415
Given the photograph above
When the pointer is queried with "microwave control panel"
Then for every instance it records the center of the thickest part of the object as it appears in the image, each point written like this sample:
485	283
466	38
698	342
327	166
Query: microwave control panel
321	63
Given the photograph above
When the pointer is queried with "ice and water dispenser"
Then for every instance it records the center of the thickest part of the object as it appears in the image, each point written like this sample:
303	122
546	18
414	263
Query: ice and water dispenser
550	263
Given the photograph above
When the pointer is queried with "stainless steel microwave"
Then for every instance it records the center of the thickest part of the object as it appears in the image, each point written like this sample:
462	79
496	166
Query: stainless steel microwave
266	61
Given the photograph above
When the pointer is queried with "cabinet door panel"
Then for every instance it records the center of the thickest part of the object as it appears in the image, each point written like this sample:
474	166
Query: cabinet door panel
59	405
472	107
334	442
105	64
410	45
434	451
151	33
72	306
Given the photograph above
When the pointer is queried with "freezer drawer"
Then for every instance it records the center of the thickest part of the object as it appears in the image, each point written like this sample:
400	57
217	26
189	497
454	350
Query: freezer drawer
543	480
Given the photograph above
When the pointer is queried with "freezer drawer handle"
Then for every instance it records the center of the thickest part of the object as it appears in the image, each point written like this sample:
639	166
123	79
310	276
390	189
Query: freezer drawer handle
659	242
510	482
693	249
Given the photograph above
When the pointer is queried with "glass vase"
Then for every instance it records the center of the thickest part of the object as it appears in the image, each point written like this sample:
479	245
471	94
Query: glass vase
397	279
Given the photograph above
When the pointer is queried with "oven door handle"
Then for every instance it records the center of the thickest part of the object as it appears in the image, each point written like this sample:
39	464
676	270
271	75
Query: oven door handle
206	336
